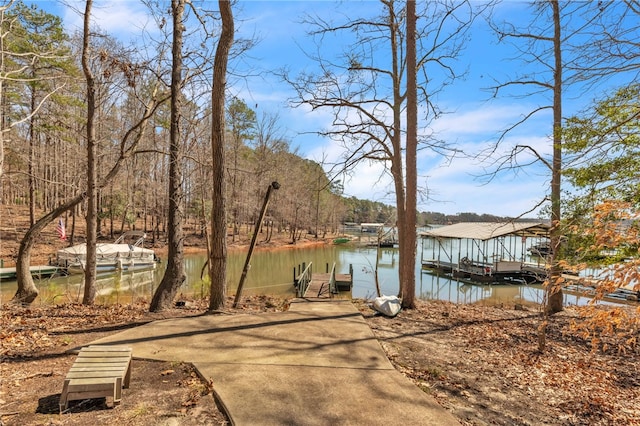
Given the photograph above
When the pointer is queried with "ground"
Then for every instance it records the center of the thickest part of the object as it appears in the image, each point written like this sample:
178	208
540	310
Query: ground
34	349
482	363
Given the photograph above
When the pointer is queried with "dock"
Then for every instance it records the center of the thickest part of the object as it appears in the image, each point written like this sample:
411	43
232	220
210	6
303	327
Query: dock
487	252
319	287
326	285
40	271
484	272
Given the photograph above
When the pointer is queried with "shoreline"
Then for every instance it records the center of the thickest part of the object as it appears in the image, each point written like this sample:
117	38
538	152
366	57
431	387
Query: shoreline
43	252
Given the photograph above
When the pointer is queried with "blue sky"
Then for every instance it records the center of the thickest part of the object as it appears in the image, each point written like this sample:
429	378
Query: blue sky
472	121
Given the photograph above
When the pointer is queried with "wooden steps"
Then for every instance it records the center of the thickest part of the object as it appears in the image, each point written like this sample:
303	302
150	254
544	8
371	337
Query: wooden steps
98	372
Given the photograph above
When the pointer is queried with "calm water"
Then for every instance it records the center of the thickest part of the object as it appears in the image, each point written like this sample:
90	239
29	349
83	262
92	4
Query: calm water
272	273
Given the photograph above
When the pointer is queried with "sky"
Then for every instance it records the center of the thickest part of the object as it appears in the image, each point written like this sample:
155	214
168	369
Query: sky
473	120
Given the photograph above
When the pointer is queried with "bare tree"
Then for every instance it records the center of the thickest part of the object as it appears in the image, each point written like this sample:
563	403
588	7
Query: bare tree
174	275
92	189
366	91
610	45
218	240
3	35
408	284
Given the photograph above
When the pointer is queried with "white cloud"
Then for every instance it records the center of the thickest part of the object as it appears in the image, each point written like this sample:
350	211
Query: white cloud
369	181
482	119
505	196
120	18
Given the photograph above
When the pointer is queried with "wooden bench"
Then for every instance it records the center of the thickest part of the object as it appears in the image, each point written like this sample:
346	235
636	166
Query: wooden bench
98	372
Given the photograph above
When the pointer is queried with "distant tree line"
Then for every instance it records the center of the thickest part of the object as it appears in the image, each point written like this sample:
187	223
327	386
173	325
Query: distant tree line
366	211
434	218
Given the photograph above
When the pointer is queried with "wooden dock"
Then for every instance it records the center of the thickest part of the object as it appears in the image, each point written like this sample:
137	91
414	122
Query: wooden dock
322	285
496	272
319	287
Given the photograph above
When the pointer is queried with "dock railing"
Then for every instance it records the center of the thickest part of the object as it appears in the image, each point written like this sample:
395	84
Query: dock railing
333	288
303	280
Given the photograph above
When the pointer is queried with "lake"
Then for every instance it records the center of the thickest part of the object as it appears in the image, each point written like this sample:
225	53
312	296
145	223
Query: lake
272	273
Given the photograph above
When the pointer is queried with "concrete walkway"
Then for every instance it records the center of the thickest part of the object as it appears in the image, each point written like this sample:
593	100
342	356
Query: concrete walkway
316	364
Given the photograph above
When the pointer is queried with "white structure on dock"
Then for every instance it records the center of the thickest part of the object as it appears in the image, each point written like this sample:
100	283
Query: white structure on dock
486	252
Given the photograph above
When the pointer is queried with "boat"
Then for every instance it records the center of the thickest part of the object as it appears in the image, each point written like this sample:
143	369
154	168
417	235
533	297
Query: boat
341	240
110	257
541	249
388	306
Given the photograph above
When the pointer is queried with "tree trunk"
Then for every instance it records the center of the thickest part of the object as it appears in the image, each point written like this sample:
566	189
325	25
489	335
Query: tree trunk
218	246
174	275
397	168
92	189
27	291
2	100
408	259
554	286
30	168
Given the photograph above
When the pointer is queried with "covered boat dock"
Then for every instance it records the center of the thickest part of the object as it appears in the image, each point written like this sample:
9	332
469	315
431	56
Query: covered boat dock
486	252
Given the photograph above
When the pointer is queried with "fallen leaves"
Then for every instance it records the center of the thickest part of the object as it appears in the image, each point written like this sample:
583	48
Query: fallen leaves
490	370
27	331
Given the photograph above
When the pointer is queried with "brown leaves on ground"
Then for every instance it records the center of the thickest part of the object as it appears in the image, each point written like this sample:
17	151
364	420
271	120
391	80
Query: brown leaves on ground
34	330
483	364
33	349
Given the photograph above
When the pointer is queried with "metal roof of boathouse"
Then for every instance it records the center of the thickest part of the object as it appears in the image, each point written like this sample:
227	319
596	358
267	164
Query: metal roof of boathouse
488	230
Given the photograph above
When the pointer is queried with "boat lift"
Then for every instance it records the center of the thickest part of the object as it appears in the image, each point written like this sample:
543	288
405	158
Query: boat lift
486	252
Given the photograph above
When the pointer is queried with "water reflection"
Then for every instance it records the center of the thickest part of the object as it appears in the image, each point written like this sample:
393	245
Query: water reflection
272	273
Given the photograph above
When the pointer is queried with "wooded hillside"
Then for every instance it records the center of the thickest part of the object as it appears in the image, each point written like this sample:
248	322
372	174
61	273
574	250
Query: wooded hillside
45	142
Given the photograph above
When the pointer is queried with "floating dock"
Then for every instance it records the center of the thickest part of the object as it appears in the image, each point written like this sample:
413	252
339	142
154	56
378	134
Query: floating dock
40	271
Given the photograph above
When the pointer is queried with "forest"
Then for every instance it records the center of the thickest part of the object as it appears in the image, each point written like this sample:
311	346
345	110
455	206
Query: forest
44	113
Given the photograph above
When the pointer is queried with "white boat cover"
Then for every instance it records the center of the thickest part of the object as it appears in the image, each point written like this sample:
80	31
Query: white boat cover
387	305
105	251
